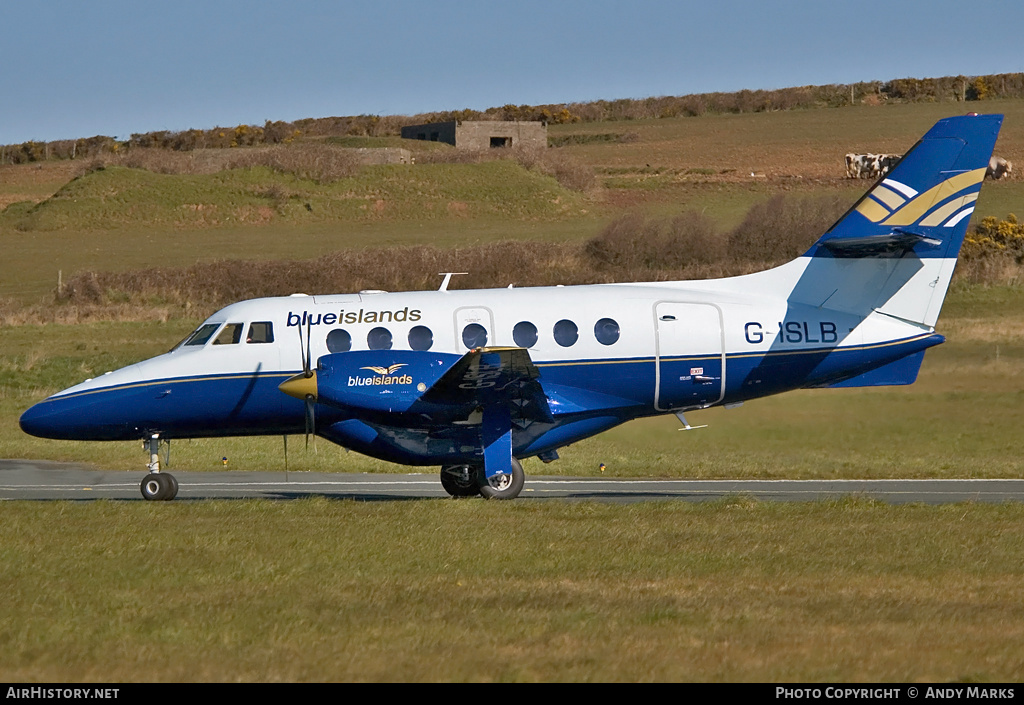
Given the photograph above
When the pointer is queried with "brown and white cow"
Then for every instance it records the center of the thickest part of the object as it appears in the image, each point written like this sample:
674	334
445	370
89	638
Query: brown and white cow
870	166
887	162
859	166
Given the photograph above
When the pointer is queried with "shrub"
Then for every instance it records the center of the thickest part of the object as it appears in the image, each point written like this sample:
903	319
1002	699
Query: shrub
996	237
978	89
634	242
631	248
783	227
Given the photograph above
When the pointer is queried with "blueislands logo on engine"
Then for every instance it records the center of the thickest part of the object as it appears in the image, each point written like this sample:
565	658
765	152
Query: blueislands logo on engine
384	375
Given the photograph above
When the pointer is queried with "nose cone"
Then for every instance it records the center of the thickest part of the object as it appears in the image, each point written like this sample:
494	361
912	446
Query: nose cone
79	418
121	405
300	386
45	420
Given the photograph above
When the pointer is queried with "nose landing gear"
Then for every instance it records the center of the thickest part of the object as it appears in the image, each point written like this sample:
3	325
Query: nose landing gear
157	486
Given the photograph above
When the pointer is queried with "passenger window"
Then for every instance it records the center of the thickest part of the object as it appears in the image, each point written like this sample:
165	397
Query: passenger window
203	334
606	331
339	340
231	335
421	338
525	334
379	339
566	333
261	332
474	336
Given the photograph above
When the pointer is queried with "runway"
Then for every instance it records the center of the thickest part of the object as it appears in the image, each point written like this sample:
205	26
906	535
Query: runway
44	480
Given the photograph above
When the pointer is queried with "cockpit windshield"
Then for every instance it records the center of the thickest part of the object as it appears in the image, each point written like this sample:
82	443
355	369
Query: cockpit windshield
230	334
202	334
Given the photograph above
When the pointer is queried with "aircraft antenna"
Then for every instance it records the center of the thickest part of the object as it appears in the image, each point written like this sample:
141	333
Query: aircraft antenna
447	279
285	439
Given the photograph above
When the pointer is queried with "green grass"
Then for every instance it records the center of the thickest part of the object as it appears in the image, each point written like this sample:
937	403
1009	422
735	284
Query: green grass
440	590
33	182
589	137
809	142
994	304
118	197
122	218
29	271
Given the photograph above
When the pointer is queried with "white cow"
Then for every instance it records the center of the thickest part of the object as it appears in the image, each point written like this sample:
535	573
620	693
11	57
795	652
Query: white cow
998	168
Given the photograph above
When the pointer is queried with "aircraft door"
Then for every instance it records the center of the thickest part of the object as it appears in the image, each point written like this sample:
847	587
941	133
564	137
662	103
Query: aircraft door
474	328
690	356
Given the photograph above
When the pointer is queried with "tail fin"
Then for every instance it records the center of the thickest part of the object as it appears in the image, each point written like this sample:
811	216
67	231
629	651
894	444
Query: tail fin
916	218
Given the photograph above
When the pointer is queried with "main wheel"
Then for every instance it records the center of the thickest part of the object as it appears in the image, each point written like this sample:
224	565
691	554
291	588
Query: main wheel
460	480
174	485
503	486
158	486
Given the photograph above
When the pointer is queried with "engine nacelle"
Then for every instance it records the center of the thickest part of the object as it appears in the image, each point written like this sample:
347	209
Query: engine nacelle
379	380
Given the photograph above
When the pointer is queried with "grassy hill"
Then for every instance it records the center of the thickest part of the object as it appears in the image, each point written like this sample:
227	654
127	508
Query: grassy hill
120	198
718	165
119	218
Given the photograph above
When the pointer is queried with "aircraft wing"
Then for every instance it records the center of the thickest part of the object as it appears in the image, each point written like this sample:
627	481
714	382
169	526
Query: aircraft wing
489	377
437	385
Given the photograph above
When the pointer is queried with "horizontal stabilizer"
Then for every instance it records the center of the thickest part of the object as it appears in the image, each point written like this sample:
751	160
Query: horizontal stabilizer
894	243
900	372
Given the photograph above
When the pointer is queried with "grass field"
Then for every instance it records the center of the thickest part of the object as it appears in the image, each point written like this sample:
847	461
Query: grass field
437	590
706	164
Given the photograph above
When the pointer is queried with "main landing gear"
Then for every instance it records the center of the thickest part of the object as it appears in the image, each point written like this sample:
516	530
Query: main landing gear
460	480
470	481
157	486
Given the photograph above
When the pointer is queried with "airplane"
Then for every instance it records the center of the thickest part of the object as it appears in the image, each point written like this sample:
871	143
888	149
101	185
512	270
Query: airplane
476	380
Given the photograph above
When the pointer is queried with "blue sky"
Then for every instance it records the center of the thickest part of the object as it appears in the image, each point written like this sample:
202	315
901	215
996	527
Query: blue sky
77	69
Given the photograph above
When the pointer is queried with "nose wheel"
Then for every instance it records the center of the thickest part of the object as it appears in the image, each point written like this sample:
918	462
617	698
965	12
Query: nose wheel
157	486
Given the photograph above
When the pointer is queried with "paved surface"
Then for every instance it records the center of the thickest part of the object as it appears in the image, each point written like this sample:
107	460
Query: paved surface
42	480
